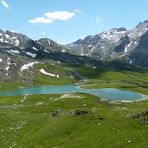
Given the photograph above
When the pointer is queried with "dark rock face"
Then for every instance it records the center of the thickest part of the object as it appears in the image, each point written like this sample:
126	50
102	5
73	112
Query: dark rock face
17	50
55	113
17	44
117	43
124	41
139	56
139	114
129	46
50	45
79	112
121	29
141	117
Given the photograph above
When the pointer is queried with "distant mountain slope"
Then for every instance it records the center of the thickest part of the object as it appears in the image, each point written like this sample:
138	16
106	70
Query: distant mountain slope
16	44
139	56
19	54
117	43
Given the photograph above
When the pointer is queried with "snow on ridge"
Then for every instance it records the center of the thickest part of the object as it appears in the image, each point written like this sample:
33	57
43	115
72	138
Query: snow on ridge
135	42
33	55
34	48
46	51
8	65
49	74
7	68
63	50
1	60
26	66
131	61
2	40
6	41
49	42
7	36
15	51
13	38
17	42
90	46
129	45
125	50
113	33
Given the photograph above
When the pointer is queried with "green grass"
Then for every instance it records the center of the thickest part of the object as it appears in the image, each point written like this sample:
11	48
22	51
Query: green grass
27	121
128	80
6	86
98	77
59	69
30	123
39	79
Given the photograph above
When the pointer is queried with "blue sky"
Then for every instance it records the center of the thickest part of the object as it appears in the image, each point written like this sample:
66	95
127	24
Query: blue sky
68	20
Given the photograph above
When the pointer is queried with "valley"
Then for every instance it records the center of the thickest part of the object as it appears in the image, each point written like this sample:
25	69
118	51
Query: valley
63	120
74	119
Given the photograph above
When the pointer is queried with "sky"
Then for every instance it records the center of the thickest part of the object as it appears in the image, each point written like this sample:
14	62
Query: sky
66	21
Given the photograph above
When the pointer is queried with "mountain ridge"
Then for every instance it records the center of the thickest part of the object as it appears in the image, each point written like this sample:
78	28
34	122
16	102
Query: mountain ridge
114	44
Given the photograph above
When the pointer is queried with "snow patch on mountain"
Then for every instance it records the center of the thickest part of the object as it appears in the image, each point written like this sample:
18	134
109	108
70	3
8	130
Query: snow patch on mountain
17	42
2	40
49	74
7	36
112	34
27	66
33	55
15	51
34	48
131	61
46	51
49	42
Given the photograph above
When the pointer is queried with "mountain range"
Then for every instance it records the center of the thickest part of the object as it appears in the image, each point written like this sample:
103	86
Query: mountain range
117	44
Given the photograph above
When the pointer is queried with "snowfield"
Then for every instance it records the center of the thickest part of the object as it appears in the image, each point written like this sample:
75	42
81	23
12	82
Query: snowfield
49	74
33	55
15	51
26	66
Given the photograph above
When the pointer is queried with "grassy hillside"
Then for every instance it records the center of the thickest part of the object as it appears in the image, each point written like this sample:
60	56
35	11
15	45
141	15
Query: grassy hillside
73	120
100	76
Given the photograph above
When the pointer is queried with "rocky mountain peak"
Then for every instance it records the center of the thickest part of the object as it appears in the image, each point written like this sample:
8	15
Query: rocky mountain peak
143	24
115	43
13	38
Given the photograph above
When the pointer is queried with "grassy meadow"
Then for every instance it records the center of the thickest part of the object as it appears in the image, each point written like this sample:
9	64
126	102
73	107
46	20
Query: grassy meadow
75	120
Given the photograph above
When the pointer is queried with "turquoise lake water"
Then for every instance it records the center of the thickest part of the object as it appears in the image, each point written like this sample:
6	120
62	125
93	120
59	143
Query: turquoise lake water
105	93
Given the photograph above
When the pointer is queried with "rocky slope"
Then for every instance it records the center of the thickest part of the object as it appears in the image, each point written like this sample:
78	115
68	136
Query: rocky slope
117	43
17	44
17	50
18	53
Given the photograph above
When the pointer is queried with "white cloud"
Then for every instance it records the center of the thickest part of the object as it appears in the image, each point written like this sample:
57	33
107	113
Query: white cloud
41	20
4	3
59	15
50	17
